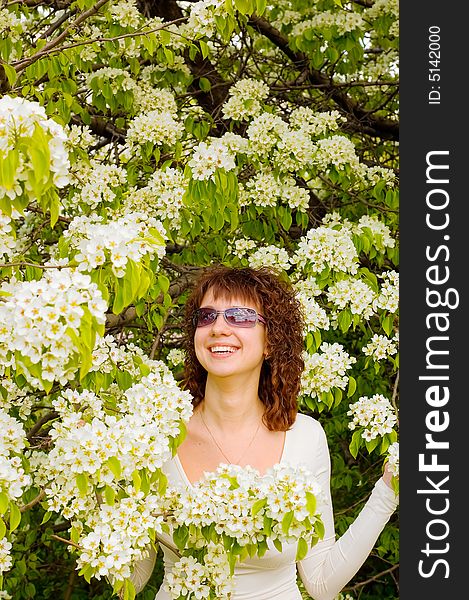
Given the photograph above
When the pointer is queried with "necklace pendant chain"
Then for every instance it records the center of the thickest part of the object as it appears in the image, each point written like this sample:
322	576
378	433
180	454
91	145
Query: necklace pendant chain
221	449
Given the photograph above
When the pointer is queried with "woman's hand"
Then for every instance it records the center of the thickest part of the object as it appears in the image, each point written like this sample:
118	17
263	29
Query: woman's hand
387	475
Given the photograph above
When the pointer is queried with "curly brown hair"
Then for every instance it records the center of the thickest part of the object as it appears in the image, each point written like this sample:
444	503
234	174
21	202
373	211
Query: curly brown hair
280	377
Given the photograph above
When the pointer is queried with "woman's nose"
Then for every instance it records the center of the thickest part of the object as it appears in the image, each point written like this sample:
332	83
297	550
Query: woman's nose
220	325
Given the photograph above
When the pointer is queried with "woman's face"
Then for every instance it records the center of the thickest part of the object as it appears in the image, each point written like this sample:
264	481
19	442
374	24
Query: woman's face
225	350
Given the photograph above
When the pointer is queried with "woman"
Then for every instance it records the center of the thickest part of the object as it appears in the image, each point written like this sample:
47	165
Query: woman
244	343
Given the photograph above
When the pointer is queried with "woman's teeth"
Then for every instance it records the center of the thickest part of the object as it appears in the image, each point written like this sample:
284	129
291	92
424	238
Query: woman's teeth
222	349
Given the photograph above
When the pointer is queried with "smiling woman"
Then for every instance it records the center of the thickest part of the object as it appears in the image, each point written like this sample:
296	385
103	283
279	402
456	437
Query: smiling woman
244	344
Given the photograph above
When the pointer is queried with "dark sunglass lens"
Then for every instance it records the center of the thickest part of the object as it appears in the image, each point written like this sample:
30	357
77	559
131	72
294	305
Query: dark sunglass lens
241	317
206	316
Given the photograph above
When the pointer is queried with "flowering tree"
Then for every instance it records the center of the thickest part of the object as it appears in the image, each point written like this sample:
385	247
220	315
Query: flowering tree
140	141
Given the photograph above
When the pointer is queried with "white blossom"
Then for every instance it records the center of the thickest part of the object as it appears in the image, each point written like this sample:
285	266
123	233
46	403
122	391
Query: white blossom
325	369
375	415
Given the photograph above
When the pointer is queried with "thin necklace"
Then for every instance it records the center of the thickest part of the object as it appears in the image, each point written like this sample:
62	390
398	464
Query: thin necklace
236	462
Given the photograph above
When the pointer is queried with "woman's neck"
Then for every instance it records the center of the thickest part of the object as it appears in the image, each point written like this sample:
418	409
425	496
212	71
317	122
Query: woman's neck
230	407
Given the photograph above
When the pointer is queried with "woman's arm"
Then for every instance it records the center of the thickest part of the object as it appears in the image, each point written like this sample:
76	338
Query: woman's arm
331	563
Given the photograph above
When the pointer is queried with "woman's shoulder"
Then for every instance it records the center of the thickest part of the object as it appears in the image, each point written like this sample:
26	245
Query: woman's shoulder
306	434
307	425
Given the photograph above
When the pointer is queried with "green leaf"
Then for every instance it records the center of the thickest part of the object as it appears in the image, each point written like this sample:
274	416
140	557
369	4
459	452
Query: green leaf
180	536
15	516
46	517
110	495
345	320
204	49
352	386
11	74
302	549
287	521
258	505
82	483
244	6
310	503
278	544
372	444
4	503
137	480
8	166
356	443
387	324
204	84
114	466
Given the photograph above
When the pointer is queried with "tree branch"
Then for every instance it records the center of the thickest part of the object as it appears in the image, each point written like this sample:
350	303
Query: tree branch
22	64
360	119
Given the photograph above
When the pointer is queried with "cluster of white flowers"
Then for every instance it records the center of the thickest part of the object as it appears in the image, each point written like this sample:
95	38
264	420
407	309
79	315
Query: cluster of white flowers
115	536
264	132
230	498
10	23
241	246
188	578
315	123
208	157
270	256
337	151
176	357
237	144
161	197
98	184
294	151
126	13
149	98
237	502
267	189
245	98
374	174
7	236
156	127
326	247
393	458
201	21
315	316
18	119
5	557
383	7
35	320
380	347
388	298
354	294
149	415
380	232
343	22
334	220
109	356
130	237
20	399
375	415
308	287
13	479
287	17
118	79
326	369
104	446
79	137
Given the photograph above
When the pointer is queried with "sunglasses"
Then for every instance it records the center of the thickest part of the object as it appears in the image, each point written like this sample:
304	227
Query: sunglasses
236	316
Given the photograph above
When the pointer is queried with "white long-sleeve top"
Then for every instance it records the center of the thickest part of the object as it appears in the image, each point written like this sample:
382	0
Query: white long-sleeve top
330	564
